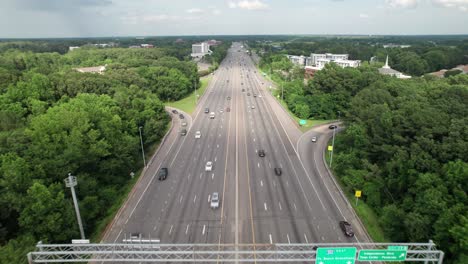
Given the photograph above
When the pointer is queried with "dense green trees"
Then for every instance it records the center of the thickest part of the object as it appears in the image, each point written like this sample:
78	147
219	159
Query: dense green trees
404	145
55	120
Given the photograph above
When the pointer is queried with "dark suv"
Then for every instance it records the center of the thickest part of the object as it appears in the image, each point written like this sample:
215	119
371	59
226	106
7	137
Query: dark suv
278	171
181	116
332	126
346	228
207	110
162	175
261	153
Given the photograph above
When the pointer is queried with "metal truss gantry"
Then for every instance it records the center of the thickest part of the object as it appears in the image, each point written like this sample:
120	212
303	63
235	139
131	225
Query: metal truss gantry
148	251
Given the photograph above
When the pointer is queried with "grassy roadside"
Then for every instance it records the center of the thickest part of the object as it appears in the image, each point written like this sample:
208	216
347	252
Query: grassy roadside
188	103
310	123
96	236
364	212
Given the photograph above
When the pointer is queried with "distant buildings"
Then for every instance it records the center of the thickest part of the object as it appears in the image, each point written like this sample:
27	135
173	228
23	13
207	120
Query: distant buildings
386	70
73	48
97	69
391	45
146	46
316	62
201	49
298	60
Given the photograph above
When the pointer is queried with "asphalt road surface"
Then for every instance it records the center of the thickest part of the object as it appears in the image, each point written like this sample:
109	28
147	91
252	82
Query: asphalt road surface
256	206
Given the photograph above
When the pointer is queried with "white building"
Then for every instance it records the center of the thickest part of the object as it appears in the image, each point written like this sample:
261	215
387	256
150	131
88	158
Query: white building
73	48
386	70
200	49
328	56
97	69
298	60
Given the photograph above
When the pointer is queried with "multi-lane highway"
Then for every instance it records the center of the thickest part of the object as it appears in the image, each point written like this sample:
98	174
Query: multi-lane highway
256	205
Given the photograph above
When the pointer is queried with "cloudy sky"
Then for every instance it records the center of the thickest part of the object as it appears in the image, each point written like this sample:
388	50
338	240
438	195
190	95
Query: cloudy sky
94	18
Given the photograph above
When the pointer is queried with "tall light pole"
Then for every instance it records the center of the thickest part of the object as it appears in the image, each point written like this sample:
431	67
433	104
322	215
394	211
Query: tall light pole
142	149
333	147
195	91
71	183
282	92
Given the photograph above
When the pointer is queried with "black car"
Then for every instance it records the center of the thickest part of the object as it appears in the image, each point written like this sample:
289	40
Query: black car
332	127
346	228
162	175
278	171
207	110
248	94
175	111
243	89
229	98
261	153
181	116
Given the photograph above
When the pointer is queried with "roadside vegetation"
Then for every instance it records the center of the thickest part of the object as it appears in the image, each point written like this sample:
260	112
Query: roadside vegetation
188	104
55	120
404	146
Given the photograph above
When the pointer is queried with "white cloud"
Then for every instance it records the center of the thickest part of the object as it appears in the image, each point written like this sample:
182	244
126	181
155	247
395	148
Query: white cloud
460	4
194	11
402	3
249	5
216	12
363	15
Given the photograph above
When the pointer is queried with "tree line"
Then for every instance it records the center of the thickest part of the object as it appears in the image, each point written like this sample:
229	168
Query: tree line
404	145
55	120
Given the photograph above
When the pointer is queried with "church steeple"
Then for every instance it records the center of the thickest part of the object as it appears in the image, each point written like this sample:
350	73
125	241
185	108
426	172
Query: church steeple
386	64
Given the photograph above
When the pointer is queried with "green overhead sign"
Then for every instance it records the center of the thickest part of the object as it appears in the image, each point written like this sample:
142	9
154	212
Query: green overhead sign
393	253
340	255
302	122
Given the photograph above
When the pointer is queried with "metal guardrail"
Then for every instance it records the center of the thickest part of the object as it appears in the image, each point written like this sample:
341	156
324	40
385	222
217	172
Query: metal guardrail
144	251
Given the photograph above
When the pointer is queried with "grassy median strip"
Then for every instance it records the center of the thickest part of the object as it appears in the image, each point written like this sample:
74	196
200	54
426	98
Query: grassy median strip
188	103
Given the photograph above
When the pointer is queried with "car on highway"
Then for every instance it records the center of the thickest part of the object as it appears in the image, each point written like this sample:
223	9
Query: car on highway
184	124
254	95
278	171
212	115
332	126
313	139
135	236
181	116
243	89
228	109
207	110
183	132
248	94
198	134
175	112
253	106
242	82
162	174
229	98
209	166
261	153
346	228
214	202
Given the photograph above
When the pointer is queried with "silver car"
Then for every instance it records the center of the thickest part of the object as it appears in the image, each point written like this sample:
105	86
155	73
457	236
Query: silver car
214	203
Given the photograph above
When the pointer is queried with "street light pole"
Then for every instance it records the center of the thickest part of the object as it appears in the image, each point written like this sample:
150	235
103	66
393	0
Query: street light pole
71	183
282	92
195	91
142	149
333	147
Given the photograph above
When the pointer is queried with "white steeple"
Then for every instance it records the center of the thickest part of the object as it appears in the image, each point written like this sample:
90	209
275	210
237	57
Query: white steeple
386	64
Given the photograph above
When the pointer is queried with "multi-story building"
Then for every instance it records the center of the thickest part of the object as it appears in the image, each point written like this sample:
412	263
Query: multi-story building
298	60
314	57
200	49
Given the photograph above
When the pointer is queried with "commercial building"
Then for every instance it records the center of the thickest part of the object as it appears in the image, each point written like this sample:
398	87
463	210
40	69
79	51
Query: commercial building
314	57
386	70
298	60
97	69
200	49
318	61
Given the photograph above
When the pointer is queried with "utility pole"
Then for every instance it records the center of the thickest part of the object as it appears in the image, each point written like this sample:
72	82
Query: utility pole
142	149
195	90
333	147
71	183
282	92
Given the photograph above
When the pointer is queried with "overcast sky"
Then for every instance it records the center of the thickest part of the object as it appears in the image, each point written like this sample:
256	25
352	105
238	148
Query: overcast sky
95	18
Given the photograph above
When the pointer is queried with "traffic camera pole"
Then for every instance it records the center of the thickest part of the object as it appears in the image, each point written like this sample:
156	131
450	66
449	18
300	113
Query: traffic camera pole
71	183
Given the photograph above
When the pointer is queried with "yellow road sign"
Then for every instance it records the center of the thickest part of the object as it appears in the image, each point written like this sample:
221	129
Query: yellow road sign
358	194
330	148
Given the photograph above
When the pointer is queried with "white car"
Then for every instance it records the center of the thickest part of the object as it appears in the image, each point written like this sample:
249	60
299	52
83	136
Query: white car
212	115
209	166
314	139
253	106
198	134
214	203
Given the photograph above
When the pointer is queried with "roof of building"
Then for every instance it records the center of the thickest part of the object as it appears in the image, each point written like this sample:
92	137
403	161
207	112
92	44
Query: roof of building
91	69
464	68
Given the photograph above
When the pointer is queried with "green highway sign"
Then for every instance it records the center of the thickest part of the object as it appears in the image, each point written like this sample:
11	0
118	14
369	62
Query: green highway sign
398	248
340	255
382	255
302	122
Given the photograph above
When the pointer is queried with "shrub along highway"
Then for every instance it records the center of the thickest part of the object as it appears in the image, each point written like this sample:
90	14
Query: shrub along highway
256	205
